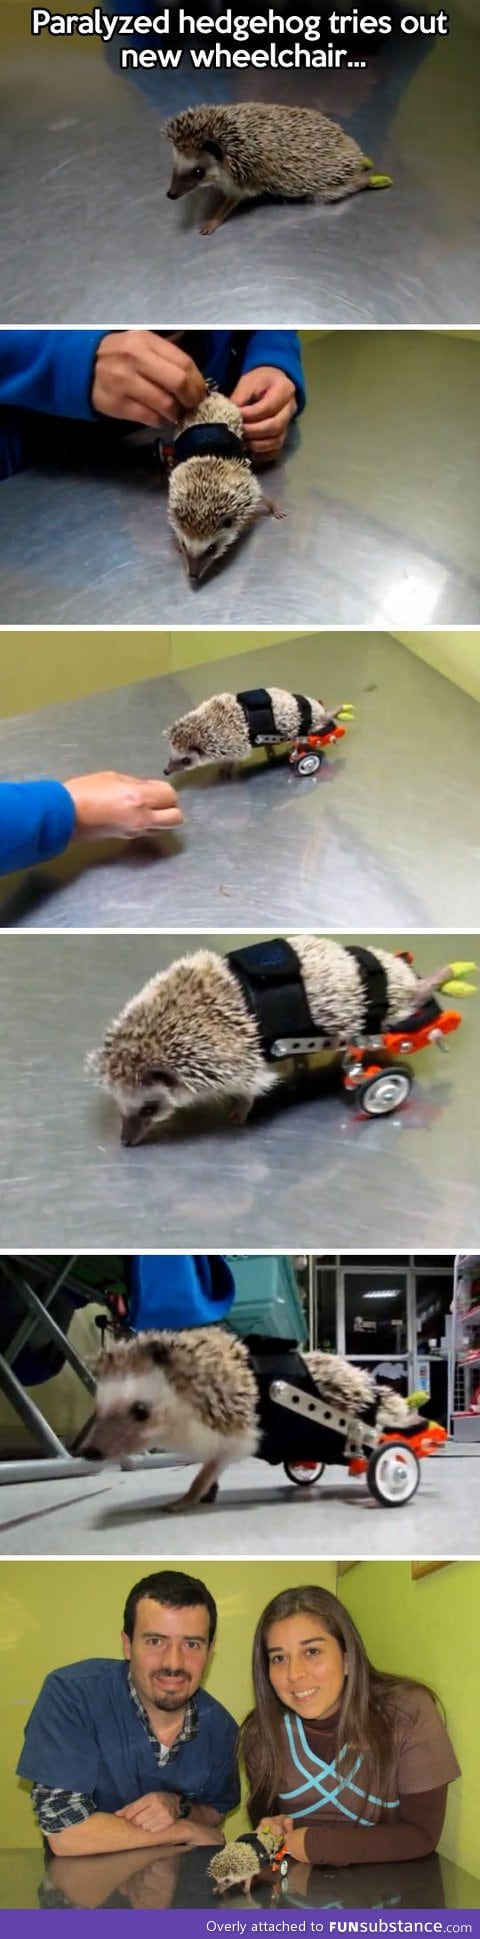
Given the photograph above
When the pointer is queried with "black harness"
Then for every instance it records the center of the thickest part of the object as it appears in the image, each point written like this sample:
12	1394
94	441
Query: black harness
271	981
208	441
258	711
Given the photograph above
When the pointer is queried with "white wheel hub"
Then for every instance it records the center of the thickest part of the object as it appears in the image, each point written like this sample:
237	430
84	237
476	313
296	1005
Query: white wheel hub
386	1093
396	1473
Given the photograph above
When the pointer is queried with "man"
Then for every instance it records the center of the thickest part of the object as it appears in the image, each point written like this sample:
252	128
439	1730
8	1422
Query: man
136	1753
51	380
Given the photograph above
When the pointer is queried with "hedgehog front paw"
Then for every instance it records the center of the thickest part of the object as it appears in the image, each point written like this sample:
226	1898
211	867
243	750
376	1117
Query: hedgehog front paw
239	1110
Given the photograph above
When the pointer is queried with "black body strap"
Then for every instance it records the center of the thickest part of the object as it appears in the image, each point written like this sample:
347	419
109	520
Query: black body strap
271	980
258	711
305	711
208	441
375	987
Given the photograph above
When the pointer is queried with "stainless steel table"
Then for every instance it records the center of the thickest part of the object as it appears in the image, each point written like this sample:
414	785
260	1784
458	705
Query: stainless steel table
379	482
88	234
168	1878
358	842
306	1171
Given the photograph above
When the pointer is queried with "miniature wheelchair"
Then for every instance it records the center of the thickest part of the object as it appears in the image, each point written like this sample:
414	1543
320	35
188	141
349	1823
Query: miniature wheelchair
324	1434
376	1084
306	755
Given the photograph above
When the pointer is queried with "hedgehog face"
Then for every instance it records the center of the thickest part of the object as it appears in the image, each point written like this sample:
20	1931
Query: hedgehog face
185	746
133	1411
211	501
145	1095
196	168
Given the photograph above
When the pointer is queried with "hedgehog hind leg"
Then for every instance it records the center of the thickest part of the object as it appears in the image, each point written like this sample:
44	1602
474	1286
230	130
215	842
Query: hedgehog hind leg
362	179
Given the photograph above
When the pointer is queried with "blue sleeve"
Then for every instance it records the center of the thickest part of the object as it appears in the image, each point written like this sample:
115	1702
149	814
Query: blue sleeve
37	820
59	1750
48	370
223	1790
282	348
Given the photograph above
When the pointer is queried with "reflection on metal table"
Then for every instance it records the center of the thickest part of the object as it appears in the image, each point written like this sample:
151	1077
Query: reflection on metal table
379	483
85	173
303	1169
168	1879
357	840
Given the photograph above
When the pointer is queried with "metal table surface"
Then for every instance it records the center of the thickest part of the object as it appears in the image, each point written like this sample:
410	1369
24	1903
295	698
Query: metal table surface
165	1877
304	1172
379	483
257	1513
358	841
88	233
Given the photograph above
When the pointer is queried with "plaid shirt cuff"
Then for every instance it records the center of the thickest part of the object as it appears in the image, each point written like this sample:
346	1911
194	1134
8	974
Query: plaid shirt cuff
57	1810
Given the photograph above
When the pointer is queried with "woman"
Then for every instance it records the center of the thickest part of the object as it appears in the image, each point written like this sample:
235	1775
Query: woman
353	1764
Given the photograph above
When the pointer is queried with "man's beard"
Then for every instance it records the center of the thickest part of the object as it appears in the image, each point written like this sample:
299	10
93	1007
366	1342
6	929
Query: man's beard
171	1699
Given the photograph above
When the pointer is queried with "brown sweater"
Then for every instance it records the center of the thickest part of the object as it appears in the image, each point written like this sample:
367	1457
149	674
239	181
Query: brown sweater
350	1826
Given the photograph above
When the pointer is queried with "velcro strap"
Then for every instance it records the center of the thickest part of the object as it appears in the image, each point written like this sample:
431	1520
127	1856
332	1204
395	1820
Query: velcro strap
375	986
208	441
305	712
258	710
271	981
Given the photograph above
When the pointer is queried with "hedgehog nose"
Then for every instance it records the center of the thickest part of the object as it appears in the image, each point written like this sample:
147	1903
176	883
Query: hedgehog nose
131	1129
194	567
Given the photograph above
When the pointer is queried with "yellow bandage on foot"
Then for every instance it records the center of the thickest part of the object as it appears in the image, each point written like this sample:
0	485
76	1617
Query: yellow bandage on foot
460	969
457	988
367	163
347	712
381	182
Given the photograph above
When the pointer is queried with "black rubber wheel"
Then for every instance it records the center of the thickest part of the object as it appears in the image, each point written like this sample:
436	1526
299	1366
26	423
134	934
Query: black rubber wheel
304	1474
393	1474
386	1092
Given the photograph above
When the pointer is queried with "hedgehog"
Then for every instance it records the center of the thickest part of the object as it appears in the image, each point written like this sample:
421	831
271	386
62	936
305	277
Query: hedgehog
239	1863
251	149
191	1034
195	1394
213	499
223	728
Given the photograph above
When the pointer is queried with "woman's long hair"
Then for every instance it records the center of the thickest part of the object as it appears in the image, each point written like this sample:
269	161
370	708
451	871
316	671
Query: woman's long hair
365	1719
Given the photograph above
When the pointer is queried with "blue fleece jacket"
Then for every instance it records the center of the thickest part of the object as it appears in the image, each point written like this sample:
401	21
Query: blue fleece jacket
51	372
37	820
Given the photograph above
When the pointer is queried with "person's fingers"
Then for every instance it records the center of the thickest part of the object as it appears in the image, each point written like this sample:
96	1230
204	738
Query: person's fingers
156	818
271	408
148	405
158	360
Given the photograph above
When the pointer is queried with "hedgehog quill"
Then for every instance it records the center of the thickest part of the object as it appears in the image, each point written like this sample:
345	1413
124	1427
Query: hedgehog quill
252	149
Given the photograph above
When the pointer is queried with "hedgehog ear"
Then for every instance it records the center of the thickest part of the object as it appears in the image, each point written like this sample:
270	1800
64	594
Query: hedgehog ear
158	1353
214	148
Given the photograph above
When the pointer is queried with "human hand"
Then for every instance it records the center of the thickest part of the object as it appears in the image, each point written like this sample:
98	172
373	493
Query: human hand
145	378
267	401
279	1826
121	805
157	1811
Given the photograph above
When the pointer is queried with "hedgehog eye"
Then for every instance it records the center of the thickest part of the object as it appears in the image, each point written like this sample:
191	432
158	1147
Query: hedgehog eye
227	524
198	173
139	1411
